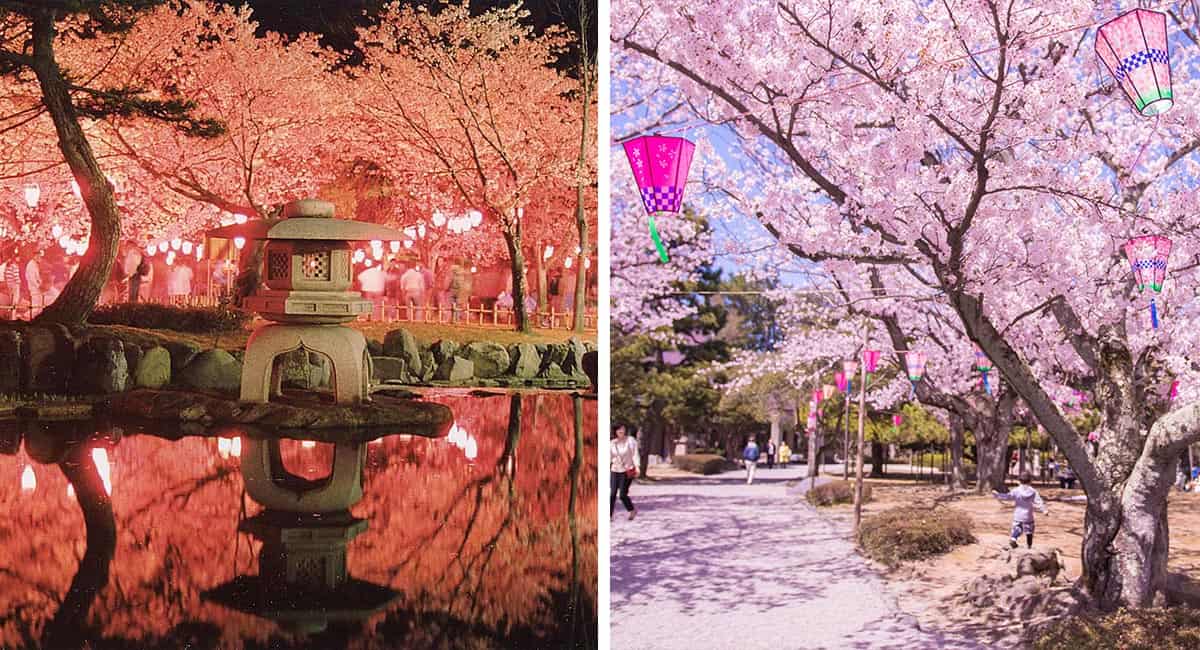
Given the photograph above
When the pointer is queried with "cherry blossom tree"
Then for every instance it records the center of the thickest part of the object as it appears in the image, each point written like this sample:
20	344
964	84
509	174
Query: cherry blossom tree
32	34
970	149
475	99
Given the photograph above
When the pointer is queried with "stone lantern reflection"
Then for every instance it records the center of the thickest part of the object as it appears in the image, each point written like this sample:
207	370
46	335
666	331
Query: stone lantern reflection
307	271
305	528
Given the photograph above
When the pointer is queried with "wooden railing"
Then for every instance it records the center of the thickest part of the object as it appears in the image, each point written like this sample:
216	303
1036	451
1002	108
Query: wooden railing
393	311
386	310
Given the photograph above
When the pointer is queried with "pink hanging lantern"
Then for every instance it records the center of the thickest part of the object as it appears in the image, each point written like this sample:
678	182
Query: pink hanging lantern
871	360
1148	256
816	399
1174	390
897	419
842	384
828	390
1133	46
660	166
984	365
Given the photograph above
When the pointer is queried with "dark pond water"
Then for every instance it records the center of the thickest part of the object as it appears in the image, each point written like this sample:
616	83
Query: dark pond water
117	536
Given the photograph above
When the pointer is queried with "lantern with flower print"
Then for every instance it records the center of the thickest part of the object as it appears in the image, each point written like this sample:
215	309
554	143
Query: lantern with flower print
660	166
843	384
1133	46
871	360
1148	256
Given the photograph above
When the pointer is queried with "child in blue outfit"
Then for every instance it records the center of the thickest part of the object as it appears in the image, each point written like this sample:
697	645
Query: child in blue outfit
1025	499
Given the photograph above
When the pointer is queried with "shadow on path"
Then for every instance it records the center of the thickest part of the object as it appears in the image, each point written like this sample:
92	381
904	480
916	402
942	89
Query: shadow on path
727	565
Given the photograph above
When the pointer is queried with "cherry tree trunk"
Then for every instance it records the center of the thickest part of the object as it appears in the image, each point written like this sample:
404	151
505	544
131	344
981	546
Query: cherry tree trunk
1126	537
991	463
82	291
956	480
581	224
516	258
814	455
877	451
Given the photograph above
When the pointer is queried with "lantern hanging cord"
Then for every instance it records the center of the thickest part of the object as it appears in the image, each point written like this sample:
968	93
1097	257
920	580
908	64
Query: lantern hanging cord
1137	159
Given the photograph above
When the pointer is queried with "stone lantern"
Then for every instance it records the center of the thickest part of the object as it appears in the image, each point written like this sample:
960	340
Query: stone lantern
308	272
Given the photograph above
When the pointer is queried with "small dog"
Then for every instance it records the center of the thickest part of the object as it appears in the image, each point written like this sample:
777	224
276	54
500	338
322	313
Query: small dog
1035	563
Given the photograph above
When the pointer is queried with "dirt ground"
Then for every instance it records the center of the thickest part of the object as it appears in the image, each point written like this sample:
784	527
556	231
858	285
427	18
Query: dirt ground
932	590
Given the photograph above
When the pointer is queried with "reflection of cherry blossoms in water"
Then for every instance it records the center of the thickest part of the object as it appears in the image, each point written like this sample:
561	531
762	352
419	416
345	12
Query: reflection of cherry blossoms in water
488	533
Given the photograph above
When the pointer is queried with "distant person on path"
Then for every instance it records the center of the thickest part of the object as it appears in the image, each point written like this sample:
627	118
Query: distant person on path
12	280
179	282
771	451
33	280
140	273
1025	499
1066	476
785	454
750	456
623	452
412	283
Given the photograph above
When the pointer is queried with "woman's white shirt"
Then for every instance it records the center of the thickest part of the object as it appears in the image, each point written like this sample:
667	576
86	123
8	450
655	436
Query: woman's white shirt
624	455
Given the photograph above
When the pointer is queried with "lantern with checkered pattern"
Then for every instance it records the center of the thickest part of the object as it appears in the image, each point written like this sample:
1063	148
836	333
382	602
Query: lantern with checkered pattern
1148	256
1133	46
660	166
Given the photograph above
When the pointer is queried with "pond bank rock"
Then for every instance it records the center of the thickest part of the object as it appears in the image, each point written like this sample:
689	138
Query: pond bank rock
100	367
213	370
154	370
293	411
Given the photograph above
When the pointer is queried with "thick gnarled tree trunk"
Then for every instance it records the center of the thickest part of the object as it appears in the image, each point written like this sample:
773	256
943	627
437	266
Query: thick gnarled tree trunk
82	291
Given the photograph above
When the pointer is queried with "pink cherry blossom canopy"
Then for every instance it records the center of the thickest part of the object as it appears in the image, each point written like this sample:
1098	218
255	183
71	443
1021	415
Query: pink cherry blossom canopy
1133	46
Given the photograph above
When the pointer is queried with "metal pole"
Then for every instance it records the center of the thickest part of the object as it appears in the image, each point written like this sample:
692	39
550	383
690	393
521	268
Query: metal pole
858	470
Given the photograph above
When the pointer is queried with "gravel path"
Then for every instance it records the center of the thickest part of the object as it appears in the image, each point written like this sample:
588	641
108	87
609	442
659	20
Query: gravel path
710	562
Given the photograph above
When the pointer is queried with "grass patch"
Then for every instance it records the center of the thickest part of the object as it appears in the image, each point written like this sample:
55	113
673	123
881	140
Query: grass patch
193	320
701	463
431	332
1176	628
835	492
913	533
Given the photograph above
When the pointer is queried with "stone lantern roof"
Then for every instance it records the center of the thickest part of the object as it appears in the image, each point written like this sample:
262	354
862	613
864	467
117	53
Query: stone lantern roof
309	219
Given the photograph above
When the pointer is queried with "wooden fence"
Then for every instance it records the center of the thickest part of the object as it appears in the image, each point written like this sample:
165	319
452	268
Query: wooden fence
386	310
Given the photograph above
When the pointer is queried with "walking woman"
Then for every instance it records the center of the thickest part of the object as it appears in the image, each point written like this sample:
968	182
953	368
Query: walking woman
624	454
